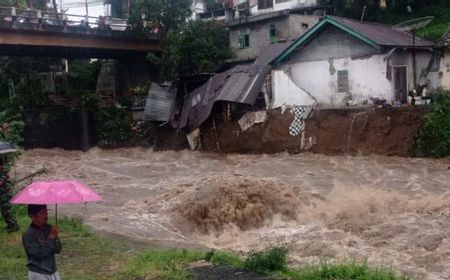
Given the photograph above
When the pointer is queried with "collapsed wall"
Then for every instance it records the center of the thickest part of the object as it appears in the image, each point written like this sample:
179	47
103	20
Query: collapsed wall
362	130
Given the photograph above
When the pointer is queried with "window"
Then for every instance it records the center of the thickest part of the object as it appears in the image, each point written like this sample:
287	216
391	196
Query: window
282	1
342	79
273	34
265	4
244	40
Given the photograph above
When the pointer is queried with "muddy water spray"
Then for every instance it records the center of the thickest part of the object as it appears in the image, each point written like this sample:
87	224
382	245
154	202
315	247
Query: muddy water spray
390	211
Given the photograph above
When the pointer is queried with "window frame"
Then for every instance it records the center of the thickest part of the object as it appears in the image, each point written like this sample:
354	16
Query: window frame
244	40
343	83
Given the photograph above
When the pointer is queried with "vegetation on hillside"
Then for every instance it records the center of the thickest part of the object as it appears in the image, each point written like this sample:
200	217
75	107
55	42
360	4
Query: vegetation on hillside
434	136
196	47
189	46
397	11
157	16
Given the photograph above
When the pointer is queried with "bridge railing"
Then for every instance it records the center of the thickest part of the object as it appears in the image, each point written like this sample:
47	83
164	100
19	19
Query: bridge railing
61	19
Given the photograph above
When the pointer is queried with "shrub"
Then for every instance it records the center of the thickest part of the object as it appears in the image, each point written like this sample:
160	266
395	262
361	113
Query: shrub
434	135
273	258
114	125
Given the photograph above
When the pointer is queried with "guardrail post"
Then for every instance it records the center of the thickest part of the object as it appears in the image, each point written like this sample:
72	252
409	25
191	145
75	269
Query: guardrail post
13	13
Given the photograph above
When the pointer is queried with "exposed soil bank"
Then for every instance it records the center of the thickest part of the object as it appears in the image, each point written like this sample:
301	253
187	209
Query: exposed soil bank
363	130
379	131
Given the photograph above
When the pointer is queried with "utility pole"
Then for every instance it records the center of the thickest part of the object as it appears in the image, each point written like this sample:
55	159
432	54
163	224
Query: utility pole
55	9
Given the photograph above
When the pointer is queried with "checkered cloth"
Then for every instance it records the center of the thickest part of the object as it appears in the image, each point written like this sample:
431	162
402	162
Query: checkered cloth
298	124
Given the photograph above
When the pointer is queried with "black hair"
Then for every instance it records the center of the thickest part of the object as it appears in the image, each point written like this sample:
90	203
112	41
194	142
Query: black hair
33	209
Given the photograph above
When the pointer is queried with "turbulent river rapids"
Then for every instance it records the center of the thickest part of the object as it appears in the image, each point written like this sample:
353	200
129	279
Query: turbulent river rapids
392	212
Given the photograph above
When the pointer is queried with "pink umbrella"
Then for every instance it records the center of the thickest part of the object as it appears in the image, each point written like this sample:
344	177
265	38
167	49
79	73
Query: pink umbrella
55	192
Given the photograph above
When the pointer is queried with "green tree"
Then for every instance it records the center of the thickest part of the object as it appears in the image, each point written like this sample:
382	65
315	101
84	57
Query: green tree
354	8
198	46
21	83
147	16
400	7
83	76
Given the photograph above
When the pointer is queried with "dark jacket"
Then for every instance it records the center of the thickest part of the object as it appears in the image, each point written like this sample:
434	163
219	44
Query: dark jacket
40	250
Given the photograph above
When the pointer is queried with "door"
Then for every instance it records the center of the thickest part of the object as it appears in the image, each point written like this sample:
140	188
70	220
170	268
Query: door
400	84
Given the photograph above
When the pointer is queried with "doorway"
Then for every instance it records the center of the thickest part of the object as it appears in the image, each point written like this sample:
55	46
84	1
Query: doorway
400	84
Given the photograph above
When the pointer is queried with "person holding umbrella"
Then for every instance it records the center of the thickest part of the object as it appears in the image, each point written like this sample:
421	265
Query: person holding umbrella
5	196
41	243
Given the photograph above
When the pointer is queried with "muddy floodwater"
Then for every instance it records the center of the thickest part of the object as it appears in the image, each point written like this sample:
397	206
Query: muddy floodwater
392	212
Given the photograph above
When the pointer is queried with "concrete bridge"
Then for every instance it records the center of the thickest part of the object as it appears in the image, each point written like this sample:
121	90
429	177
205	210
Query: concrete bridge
45	34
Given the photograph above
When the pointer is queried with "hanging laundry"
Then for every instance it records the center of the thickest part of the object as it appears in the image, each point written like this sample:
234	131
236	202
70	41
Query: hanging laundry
298	124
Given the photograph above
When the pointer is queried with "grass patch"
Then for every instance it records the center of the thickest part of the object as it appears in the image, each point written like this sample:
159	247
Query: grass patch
437	28
224	258
162	264
349	271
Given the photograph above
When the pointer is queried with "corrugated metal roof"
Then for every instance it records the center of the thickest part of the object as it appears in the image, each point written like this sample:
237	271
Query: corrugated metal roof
270	52
160	102
381	34
240	84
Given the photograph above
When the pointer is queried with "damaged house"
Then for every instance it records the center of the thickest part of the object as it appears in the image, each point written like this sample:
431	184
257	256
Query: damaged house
222	113
222	97
341	62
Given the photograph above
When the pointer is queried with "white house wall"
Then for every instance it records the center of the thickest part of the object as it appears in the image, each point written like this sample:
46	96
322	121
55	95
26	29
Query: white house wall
423	57
445	69
367	78
283	5
314	68
287	93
